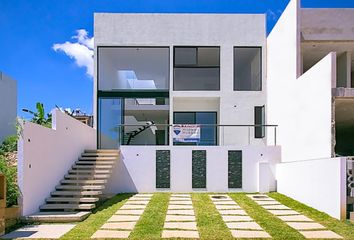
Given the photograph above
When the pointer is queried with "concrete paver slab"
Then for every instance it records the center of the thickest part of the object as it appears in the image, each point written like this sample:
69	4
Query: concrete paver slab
283	212
305	225
321	234
179	218
180	212
229	202
51	231
180	202
295	218
224	207
268	203
180	198
244	225
180	195
129	212
230	218
128	206
123	218
249	234
276	207
179	234
119	225
137	202
170	207
181	225
143	195
232	212
111	234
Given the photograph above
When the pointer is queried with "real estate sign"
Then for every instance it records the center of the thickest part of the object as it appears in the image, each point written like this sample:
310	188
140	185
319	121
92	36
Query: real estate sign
186	133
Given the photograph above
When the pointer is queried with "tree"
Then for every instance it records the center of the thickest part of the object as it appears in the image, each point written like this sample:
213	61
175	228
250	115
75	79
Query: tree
40	117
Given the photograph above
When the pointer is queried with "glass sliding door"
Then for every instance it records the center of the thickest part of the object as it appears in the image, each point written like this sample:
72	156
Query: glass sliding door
109	120
208	128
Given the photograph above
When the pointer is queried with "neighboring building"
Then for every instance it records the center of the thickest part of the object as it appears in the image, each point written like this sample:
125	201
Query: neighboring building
8	106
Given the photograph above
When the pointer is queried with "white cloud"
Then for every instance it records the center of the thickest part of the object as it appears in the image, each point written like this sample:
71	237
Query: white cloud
81	50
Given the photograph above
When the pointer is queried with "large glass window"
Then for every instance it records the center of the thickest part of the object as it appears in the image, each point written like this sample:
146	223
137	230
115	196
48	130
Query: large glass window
129	68
110	118
208	129
196	69
247	69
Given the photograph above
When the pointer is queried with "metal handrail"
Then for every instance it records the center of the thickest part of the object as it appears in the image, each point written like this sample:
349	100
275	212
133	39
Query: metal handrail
217	125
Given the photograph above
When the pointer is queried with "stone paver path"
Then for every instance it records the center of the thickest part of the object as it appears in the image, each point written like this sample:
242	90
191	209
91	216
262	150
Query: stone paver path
42	231
236	219
306	226
121	224
180	220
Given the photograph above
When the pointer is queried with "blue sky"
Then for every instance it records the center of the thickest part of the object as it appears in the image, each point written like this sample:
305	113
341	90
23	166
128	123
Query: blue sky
29	28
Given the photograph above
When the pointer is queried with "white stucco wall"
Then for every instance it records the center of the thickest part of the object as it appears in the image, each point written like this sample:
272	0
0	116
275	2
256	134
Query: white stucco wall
318	183
301	106
136	170
223	30
45	155
8	106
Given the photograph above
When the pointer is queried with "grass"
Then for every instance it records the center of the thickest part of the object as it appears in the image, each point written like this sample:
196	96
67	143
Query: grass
85	229
209	221
151	222
271	224
343	228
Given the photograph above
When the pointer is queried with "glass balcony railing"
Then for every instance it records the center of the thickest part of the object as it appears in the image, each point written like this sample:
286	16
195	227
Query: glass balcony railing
152	133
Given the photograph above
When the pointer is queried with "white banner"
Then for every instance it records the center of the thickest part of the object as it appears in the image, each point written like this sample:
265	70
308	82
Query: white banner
186	133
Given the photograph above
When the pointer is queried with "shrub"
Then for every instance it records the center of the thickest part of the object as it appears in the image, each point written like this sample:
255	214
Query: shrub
9	145
10	172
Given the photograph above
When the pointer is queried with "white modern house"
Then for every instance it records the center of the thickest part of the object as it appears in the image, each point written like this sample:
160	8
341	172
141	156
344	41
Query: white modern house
206	102
8	106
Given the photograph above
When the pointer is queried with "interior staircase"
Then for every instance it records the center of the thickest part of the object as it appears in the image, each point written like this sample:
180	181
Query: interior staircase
81	187
129	136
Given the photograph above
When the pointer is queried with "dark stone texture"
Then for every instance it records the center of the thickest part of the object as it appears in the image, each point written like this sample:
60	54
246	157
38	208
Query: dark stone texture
163	169
235	169
199	169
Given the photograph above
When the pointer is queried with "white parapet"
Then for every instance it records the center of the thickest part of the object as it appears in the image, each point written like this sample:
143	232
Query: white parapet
46	154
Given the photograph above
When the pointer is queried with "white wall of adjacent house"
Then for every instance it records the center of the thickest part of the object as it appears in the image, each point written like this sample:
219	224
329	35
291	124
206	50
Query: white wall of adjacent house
8	106
318	183
136	170
301	106
46	154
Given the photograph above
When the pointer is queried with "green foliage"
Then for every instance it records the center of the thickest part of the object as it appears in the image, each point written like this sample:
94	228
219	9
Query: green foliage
8	145
10	173
40	117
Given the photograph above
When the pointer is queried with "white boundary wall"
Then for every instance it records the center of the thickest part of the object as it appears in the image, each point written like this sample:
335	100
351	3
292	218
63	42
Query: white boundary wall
45	155
136	170
318	183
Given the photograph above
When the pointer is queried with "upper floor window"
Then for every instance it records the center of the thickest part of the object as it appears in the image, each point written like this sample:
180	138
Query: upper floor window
247	69
130	68
196	69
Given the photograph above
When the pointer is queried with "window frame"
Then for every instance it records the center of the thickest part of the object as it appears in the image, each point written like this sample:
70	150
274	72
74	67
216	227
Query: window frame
259	128
174	66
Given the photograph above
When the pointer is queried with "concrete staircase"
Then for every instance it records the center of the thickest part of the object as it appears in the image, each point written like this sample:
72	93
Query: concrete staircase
82	187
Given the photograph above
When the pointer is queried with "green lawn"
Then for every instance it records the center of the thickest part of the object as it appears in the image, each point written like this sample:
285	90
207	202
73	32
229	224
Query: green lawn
209	222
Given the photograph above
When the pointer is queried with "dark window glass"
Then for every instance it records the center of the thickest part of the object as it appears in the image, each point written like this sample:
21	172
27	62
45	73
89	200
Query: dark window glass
259	119
208	134
247	69
196	68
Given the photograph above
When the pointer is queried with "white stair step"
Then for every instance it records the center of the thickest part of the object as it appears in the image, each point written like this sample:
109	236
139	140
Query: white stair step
101	151
80	187
92	166
80	162
90	171
87	176
73	199
97	181
84	206
76	193
98	154
99	159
